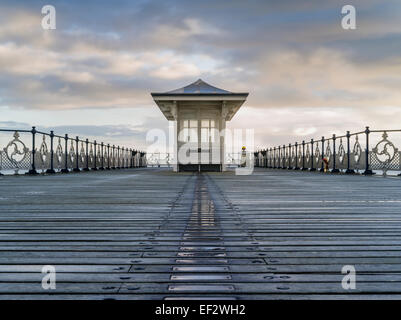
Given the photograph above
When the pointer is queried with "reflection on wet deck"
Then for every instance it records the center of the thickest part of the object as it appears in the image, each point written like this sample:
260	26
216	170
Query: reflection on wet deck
202	227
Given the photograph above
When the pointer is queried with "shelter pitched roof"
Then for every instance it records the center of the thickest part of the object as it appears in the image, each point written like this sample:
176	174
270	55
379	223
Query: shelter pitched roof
199	86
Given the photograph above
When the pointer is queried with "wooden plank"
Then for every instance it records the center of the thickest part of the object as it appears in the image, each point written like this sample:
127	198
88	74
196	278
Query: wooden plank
272	235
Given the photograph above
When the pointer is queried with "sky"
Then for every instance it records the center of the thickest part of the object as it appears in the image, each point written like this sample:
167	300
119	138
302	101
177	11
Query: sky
306	75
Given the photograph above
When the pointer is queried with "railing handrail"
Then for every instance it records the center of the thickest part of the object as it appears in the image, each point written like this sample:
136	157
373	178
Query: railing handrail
57	136
13	130
329	138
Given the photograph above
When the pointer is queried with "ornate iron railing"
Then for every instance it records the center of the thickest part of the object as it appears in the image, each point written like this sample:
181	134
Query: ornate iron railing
160	159
350	153
33	152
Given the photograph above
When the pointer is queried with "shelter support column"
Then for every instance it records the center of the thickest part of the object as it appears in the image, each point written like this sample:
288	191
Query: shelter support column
173	136
224	112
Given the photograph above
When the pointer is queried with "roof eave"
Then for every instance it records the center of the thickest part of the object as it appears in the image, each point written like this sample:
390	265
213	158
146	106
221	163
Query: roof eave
200	97
155	94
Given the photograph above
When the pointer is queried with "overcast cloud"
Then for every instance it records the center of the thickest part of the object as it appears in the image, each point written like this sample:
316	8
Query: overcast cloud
305	74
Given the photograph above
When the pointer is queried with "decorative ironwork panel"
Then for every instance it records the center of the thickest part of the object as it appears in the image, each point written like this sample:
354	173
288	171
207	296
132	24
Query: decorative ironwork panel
82	155
357	156
72	155
91	156
293	160
317	160
385	156
59	156
328	154
341	156
42	156
16	155
308	157
98	156
105	157
299	156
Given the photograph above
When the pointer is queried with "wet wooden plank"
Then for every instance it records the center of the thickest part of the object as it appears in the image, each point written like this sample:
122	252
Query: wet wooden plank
272	235
166	277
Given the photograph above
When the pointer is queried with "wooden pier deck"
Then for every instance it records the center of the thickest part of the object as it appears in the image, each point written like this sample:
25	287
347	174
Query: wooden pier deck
155	234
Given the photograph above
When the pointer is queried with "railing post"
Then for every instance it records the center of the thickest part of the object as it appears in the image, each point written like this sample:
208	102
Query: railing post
289	157
274	157
367	171
121	161
322	166
264	154
349	170
118	158
94	156
311	156
102	156
108	157
303	156
51	170
33	166
124	165
130	158
113	157
76	169
263	158
271	158
283	158
334	170
279	157
124	153
296	156
121	157
65	170
87	155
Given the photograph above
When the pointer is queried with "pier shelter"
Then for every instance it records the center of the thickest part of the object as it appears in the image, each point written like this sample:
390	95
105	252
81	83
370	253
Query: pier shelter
200	112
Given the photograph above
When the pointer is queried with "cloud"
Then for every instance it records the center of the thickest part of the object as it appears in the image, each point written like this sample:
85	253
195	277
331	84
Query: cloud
325	78
15	125
292	56
118	134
